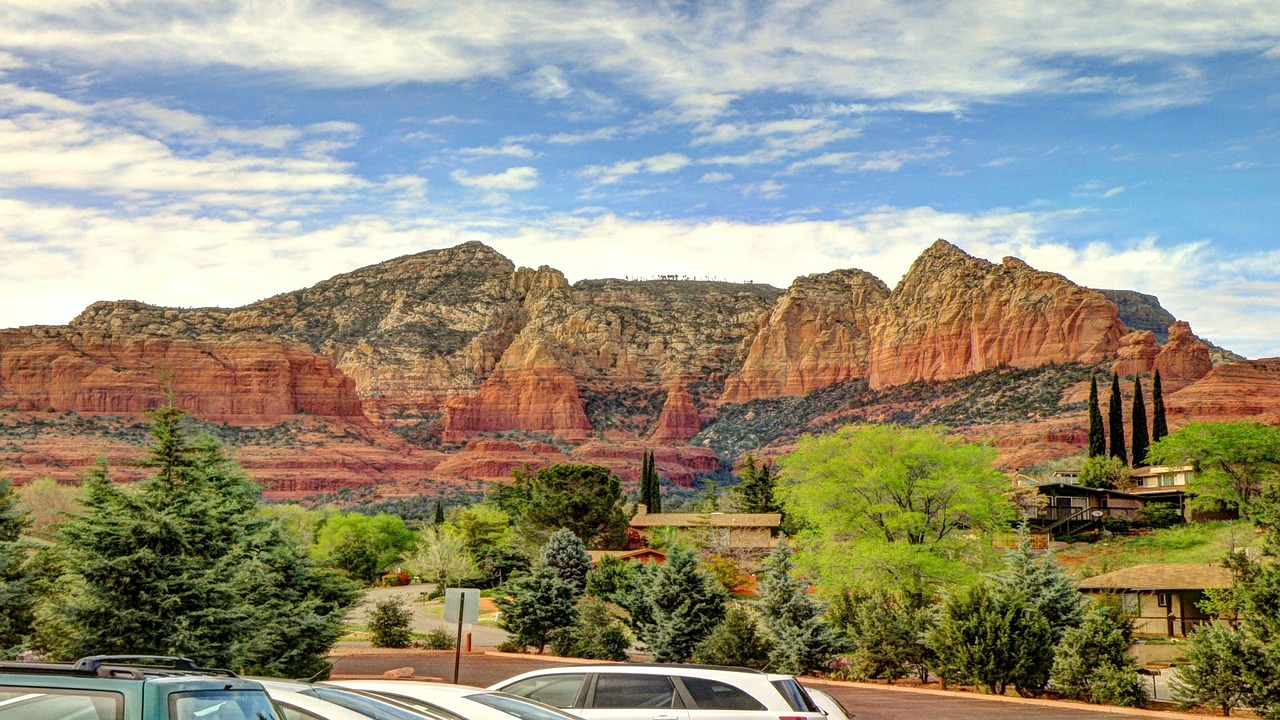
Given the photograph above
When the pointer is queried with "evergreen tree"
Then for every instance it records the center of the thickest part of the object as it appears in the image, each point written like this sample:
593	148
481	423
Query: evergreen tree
185	565
650	484
1159	425
755	493
391	622
685	605
535	606
1115	421
1047	588
1097	436
567	556
1139	421
993	640
610	579
439	516
597	635
736	642
801	638
1092	663
1219	663
887	635
15	587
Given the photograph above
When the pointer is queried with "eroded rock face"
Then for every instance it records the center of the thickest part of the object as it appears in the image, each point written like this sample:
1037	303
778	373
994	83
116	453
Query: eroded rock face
953	315
1184	358
246	381
1137	354
818	334
1233	391
679	420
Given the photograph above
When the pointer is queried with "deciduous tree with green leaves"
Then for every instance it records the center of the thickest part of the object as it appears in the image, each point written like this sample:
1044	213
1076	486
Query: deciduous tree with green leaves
440	556
1103	472
1233	462
903	507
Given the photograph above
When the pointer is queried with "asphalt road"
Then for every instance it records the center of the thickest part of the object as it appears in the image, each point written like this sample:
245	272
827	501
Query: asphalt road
866	703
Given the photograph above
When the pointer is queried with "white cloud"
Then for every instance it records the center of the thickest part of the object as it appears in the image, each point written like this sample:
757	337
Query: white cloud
505	149
715	177
549	83
516	178
54	256
657	164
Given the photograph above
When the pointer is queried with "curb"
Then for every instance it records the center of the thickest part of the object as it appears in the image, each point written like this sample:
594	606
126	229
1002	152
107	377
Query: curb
1061	704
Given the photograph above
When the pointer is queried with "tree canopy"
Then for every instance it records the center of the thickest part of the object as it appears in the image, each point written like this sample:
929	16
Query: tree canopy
884	503
585	499
183	564
1233	461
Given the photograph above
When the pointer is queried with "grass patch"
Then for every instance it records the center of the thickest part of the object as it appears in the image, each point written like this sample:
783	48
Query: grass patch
1187	544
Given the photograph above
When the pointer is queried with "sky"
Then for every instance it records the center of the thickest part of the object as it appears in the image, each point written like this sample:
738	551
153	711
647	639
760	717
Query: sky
217	152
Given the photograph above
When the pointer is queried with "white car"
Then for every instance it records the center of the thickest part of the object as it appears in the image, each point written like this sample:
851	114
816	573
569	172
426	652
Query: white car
303	701
666	692
462	701
834	709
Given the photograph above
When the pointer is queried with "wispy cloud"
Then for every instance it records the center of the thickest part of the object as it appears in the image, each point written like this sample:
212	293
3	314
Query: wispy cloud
657	164
516	178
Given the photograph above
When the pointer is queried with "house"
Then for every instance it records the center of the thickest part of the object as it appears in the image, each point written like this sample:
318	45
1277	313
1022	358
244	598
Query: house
640	555
1072	508
1163	598
726	530
1171	485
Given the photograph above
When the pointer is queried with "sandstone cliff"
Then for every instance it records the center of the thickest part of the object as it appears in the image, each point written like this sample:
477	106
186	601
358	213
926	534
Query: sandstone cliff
953	314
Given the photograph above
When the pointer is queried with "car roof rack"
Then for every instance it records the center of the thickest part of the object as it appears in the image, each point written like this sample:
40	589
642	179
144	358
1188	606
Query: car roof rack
135	667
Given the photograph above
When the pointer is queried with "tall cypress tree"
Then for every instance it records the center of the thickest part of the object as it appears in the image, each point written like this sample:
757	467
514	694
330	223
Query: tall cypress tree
1140	438
650	486
1097	436
1159	426
1115	421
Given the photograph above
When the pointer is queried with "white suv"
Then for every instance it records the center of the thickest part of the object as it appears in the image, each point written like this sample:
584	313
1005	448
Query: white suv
666	692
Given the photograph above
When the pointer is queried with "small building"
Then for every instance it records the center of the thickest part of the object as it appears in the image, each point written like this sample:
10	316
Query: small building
1172	485
1164	598
727	530
640	555
1071	507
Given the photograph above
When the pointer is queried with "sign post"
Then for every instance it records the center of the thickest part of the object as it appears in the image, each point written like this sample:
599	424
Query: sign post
460	605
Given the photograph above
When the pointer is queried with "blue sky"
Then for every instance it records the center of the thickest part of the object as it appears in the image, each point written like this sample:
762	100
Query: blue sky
218	152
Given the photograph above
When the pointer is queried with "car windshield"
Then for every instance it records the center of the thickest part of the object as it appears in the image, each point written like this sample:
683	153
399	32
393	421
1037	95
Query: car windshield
520	707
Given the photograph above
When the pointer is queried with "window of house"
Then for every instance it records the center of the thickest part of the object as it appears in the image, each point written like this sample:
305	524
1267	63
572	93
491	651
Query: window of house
1162	599
1167	480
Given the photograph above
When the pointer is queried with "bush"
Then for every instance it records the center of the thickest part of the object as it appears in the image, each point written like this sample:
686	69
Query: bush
439	638
1159	515
390	622
395	579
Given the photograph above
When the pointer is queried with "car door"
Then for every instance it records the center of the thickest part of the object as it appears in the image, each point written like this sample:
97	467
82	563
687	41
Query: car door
634	696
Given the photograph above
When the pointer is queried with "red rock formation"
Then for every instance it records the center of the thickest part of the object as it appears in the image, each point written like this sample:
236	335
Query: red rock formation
1233	391
679	420
818	334
1137	354
953	315
249	381
1184	358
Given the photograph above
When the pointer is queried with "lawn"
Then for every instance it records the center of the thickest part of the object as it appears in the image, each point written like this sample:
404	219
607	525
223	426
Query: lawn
1190	543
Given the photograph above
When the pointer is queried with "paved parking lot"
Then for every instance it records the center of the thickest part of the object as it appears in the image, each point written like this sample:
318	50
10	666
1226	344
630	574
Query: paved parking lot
867	703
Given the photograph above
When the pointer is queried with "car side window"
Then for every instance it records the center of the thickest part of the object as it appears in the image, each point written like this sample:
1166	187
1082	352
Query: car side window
559	690
715	695
633	691
294	713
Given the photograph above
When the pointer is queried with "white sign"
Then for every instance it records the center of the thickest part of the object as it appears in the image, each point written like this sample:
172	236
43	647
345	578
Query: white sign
461	605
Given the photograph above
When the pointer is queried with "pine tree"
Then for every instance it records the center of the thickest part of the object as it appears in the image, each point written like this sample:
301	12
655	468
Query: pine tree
15	593
736	642
994	640
1159	425
567	556
1097	436
184	564
755	493
536	605
801	638
1115	421
1048	589
1139	422
685	604
439	516
1092	662
650	485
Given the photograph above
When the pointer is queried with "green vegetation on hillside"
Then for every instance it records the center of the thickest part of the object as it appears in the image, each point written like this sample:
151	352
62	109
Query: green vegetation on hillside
1000	395
1190	543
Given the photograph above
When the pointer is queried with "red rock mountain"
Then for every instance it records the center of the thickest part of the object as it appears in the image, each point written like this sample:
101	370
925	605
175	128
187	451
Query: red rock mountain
409	371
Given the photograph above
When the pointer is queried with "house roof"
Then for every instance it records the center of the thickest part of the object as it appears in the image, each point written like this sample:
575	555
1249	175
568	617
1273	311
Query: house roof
688	520
1160	577
1074	487
1157	470
642	553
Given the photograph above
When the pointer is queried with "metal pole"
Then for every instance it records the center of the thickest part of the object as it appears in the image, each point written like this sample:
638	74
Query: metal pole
457	646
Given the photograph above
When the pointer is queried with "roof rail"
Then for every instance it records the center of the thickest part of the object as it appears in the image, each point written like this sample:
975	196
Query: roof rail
102	664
